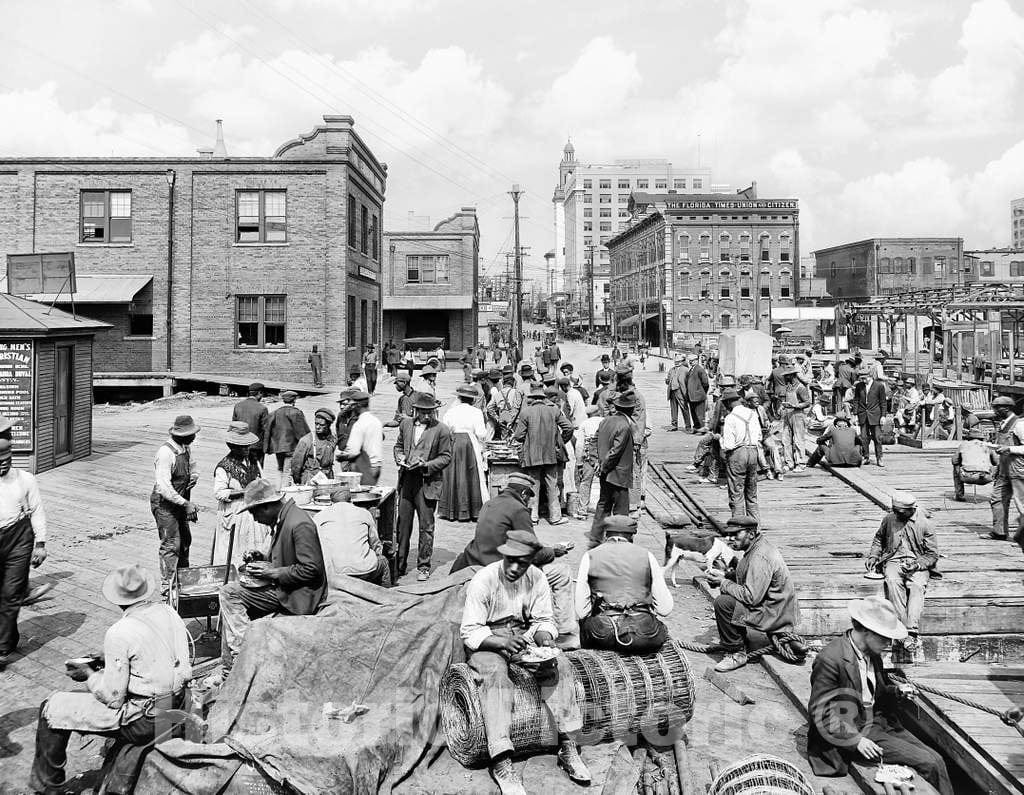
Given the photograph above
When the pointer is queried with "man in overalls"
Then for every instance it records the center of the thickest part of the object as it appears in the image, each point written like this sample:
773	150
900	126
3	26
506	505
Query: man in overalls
1009	482
141	676
171	500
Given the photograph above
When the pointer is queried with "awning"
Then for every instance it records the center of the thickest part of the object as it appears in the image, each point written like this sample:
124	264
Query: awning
96	289
632	320
427	302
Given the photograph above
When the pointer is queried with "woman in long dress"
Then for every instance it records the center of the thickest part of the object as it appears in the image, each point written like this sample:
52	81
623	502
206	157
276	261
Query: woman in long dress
315	451
464	485
230	477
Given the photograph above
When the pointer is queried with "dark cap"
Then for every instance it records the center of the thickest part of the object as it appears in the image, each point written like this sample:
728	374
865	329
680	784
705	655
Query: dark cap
494	374
1003	400
522	480
623	525
425	401
563	382
508	369
730	394
738	523
519	543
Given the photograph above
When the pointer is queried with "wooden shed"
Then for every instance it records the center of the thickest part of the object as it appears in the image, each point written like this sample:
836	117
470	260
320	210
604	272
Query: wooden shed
46	382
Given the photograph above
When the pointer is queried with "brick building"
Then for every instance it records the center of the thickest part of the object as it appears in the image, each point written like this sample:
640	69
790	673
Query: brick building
689	266
885	265
1017	224
1000	265
215	264
431	280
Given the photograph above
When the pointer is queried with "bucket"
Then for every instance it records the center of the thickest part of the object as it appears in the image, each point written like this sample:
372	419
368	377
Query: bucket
302	495
322	491
350	479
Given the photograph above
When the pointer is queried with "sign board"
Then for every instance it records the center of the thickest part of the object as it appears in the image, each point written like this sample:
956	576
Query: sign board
31	274
736	204
367	273
16	373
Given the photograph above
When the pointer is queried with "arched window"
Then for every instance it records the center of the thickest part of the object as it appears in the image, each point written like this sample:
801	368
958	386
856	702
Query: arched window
912	265
746	318
684	246
705	320
705	283
885	265
745	247
725	282
766	283
899	265
683	286
726	320
745	283
764	241
784	247
724	240
785	284
705	246
686	318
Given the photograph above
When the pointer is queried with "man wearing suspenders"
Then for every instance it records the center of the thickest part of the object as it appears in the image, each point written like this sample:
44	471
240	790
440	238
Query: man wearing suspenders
171	500
741	437
1009	482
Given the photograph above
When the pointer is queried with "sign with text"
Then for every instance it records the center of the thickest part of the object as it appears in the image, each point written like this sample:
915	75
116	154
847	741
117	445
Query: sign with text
32	274
16	372
736	204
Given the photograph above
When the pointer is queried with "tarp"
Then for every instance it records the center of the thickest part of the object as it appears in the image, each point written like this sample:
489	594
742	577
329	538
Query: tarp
386	648
744	352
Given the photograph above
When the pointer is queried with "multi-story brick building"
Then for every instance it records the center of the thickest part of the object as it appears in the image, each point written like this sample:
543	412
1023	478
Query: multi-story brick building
215	264
1017	224
689	266
431	280
1000	265
590	206
886	265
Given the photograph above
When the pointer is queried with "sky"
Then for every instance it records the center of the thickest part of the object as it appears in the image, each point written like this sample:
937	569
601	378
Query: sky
882	118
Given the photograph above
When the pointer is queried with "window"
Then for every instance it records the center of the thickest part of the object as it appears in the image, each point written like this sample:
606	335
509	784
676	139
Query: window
588	241
641	183
606	212
622	198
723	255
351	323
588	226
744	284
724	292
1017	268
260	321
140	317
885	265
784	255
605	184
705	246
362	324
987	268
683	288
588	198
679	184
899	265
427	269
785	284
832	270
698	183
606	198
261	216
352	221
375	238
375	321
364	229
606	226
661	184
623	183
588	184
726	319
912	265
106	216
588	212
766	284
926	264
940	266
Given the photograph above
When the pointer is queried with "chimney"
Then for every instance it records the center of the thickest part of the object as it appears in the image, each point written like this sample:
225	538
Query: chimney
205	152
219	150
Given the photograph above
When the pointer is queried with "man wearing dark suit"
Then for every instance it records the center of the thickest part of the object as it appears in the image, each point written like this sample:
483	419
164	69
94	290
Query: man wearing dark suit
869	406
853	701
254	414
696	392
543	430
676	383
845	378
293	580
615	452
422	451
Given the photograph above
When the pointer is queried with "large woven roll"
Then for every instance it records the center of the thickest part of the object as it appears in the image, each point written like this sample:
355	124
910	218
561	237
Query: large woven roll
618	695
761	775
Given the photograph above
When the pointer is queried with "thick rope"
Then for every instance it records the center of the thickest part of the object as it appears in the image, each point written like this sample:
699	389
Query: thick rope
1011	717
788	645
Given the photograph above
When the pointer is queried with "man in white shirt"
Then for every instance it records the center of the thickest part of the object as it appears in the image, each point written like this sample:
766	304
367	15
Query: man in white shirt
587	463
22	543
508	609
741	438
171	500
351	546
365	447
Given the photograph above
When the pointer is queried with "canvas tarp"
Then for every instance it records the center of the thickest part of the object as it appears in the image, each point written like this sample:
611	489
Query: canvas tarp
744	352
386	648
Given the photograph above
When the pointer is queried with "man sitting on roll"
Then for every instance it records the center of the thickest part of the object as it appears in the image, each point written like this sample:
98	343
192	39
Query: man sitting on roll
853	701
508	611
621	596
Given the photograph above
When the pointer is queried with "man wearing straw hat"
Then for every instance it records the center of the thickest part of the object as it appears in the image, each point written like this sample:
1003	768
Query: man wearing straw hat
144	667
508	609
292	582
171	500
852	707
905	551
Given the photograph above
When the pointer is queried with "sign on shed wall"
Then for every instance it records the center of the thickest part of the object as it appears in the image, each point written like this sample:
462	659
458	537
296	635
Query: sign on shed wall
17	368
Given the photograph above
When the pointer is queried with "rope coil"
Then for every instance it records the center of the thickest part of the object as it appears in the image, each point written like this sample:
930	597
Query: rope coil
787	645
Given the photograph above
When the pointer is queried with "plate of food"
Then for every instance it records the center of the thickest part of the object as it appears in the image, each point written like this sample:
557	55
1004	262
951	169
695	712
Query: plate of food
539	654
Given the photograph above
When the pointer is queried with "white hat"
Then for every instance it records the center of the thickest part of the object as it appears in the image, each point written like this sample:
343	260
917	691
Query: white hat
877	614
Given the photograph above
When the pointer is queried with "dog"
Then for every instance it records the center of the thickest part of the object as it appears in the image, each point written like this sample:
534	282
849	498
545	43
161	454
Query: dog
702	547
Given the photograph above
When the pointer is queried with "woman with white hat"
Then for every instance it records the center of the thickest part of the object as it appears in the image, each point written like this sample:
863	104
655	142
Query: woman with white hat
232	474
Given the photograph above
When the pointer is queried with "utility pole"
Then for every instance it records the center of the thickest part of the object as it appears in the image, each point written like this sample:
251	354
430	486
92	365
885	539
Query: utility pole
590	291
517	328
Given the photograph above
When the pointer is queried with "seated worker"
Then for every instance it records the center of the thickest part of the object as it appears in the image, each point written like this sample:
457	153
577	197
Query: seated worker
853	702
621	595
349	541
291	582
145	666
758	594
905	551
508	609
818	420
509	511
973	462
839	446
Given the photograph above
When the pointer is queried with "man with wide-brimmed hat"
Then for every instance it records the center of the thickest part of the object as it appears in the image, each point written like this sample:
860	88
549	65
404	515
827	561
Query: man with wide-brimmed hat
905	551
505	403
741	442
675	382
853	705
621	595
143	672
171	500
1009	482
615	453
974	462
287	425
543	431
796	399
422	451
292	582
426	382
869	406
508	610
22	543
759	594
253	413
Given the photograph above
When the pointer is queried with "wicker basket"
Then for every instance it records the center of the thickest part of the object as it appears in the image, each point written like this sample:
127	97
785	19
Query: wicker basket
619	696
761	774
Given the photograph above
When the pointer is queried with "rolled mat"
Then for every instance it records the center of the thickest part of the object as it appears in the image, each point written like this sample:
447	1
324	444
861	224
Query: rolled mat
761	773
619	696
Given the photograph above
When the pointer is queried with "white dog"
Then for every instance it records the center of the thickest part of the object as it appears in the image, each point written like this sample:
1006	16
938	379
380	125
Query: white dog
704	550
